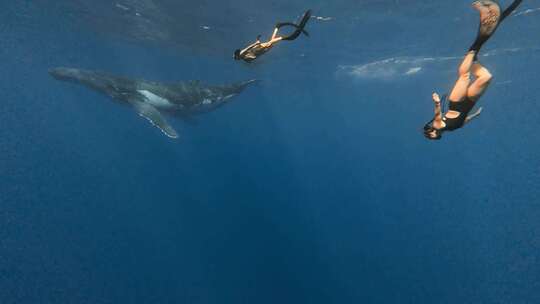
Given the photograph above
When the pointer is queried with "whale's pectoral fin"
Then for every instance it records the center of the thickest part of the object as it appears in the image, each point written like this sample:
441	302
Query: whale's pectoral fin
154	116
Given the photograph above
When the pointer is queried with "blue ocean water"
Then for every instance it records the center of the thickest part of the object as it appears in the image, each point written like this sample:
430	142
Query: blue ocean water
313	186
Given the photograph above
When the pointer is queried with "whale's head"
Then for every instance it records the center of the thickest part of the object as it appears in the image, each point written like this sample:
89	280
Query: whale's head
66	74
96	80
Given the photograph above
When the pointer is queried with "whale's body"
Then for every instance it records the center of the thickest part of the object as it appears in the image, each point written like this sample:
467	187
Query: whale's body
150	99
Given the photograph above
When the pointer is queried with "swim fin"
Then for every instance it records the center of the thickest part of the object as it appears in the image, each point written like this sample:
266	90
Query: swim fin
299	27
490	13
490	19
510	9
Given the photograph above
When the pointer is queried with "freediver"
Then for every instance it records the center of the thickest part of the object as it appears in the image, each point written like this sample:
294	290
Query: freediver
259	48
467	92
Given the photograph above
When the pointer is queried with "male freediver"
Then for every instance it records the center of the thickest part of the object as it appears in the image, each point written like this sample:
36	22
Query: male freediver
259	48
466	92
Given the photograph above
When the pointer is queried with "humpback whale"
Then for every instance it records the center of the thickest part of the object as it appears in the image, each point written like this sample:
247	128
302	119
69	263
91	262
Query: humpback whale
149	99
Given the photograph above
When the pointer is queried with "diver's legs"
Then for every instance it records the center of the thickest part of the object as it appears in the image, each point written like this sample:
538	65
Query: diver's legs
478	70
274	34
490	19
462	84
481	83
467	63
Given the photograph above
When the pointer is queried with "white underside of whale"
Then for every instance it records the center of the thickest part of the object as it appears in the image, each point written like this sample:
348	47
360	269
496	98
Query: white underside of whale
156	100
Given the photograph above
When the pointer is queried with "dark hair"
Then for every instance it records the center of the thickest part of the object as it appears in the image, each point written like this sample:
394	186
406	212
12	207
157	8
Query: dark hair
428	133
429	129
237	54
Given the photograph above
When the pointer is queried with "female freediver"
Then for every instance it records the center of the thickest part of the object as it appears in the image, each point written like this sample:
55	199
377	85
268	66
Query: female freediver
258	48
466	93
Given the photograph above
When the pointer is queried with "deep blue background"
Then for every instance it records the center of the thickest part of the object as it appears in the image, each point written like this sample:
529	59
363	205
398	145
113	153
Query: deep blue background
314	186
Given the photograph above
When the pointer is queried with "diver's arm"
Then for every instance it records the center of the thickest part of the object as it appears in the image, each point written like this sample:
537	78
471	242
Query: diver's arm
437	120
474	115
275	38
250	46
271	43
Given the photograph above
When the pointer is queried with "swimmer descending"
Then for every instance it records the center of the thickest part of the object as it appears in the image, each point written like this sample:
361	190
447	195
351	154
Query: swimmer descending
258	48
466	92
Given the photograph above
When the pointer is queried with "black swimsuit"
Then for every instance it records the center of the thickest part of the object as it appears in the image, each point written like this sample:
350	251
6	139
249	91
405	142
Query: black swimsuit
463	107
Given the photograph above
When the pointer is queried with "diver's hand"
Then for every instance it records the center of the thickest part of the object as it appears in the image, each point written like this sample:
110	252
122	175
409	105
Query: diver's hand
436	98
